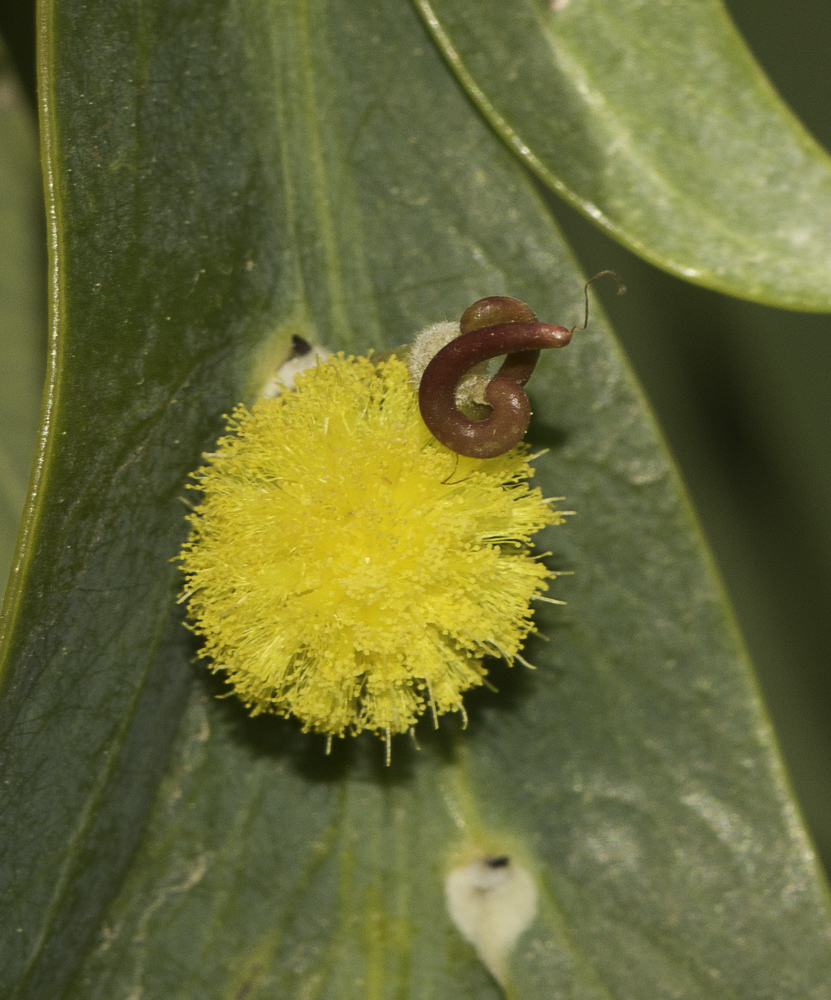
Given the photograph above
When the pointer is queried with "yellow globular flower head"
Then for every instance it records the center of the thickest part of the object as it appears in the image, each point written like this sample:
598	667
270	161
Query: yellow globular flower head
345	568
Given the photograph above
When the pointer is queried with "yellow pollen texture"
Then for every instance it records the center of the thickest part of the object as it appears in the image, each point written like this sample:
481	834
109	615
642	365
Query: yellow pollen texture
345	568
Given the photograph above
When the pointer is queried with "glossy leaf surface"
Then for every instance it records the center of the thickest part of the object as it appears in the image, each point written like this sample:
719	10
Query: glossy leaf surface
653	119
254	171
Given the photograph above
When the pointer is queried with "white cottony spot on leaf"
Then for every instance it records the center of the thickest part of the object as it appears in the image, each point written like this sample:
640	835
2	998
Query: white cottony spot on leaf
304	355
491	901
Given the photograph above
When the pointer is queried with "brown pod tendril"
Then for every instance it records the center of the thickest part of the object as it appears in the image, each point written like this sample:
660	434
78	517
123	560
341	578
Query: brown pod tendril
490	327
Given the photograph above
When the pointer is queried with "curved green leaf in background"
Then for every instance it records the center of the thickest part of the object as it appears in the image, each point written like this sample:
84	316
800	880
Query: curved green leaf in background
220	176
22	315
653	119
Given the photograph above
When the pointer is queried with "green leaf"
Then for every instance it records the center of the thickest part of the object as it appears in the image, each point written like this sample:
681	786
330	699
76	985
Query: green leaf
653	119
224	175
21	311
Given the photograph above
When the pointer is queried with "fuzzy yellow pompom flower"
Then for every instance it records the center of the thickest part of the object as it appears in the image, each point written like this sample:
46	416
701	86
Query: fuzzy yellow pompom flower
345	568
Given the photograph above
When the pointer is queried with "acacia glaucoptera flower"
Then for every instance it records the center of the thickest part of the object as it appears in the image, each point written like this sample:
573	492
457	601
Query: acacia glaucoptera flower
345	566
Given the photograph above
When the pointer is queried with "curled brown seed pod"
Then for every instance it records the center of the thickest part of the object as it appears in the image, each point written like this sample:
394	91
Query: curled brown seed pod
489	328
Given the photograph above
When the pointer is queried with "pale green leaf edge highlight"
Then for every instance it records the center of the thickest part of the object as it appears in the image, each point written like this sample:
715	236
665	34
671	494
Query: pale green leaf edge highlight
820	302
32	514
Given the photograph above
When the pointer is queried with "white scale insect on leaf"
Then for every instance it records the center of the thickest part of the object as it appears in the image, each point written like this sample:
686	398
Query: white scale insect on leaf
491	900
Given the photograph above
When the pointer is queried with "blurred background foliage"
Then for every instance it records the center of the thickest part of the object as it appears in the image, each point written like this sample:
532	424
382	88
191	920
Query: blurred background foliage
743	393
